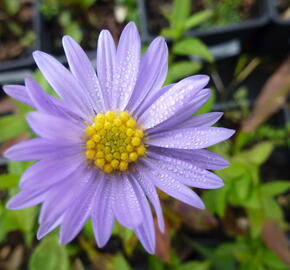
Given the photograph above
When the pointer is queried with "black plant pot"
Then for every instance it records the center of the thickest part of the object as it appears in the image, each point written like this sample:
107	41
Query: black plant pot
243	31
279	31
27	61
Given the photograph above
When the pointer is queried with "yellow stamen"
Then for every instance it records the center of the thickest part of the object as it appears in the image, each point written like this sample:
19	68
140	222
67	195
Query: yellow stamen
114	141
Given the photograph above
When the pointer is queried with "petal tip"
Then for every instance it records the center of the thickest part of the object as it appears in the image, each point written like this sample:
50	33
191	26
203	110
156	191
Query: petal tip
12	205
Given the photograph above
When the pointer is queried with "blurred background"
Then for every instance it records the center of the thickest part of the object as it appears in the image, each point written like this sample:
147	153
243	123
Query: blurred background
244	46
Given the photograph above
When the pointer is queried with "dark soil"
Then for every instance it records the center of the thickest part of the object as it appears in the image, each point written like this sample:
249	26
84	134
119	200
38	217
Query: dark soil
91	21
247	9
14	30
283	7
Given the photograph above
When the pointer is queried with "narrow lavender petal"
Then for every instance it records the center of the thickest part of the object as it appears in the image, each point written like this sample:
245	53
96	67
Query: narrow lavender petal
47	103
190	138
26	198
147	102
102	212
106	65
186	172
84	72
18	92
151	193
64	83
46	228
200	157
64	193
45	173
171	186
38	148
126	205
152	74
42	101
145	231
79	212
184	113
127	65
173	100
202	120
55	128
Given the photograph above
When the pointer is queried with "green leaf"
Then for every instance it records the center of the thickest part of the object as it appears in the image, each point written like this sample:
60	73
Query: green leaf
120	263
197	19
18	167
215	200
155	263
195	265
274	188
242	187
12	6
22	220
179	14
181	69
28	39
271	260
73	29
253	201
168	33
256	218
257	154
8	181
272	210
11	126
193	46
49	255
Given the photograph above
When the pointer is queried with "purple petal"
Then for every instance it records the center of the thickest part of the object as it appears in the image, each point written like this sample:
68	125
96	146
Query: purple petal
171	186
84	72
106	65
26	198
102	212
64	83
126	205
145	231
151	193
200	157
42	101
190	138
152	74
79	212
173	100
55	128
202	120
127	65
186	172
38	148
48	227
45	173
148	101
184	114
18	92
64	193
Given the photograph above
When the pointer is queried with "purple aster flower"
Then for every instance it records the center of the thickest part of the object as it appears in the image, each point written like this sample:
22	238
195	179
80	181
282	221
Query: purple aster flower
112	138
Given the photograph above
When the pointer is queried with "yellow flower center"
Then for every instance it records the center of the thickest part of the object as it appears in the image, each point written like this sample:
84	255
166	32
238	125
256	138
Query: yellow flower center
114	141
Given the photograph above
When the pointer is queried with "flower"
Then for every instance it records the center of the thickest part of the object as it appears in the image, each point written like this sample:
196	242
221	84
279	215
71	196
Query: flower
112	138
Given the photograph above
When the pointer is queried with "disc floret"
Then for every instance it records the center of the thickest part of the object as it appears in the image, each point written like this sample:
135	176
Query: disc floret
113	141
